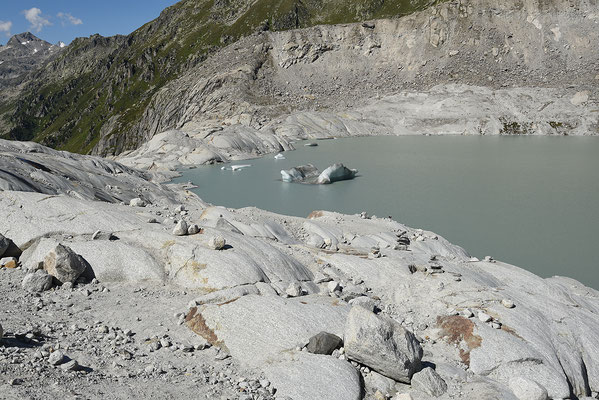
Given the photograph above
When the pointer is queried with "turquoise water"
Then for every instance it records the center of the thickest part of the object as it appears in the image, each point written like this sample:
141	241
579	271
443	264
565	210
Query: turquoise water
529	201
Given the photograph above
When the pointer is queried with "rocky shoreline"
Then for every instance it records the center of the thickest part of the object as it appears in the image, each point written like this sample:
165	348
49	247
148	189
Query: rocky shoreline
248	304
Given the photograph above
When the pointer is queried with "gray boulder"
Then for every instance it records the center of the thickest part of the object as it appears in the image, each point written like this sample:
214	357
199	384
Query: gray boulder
527	389
381	344
324	343
429	382
64	264
181	229
38	281
336	172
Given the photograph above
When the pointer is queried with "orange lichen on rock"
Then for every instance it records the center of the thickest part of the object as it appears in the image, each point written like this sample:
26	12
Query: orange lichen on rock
457	329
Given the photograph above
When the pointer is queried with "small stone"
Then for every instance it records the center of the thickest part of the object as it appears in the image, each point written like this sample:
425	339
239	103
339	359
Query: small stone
264	383
193	230
467	313
137	202
180	229
484	317
152	221
324	343
217	242
294	289
333	286
9	262
70	366
507	303
495	325
165	342
56	358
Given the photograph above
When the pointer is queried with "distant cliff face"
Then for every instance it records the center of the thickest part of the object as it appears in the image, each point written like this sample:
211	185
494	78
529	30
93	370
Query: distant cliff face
252	61
100	87
23	53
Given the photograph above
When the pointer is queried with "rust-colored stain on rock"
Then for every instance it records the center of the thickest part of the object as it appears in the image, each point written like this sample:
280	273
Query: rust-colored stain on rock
315	214
196	322
456	329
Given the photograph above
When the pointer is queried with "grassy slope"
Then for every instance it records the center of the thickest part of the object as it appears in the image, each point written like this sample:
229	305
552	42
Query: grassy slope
118	77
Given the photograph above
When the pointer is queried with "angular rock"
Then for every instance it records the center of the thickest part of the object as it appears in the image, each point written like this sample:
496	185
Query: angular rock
8	262
193	230
137	202
64	264
527	389
429	381
56	358
70	366
39	281
381	344
294	289
324	343
181	229
4	243
507	303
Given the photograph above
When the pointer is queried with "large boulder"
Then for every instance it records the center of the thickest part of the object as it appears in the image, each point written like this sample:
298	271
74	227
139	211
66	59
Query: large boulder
38	281
381	344
336	172
64	264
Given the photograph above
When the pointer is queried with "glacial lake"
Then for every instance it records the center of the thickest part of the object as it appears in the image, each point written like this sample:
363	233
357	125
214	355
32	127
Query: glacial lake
529	201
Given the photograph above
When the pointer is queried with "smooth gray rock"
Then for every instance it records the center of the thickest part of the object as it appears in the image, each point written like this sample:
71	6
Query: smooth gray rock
305	376
324	343
527	389
381	344
336	172
429	381
181	228
64	264
38	281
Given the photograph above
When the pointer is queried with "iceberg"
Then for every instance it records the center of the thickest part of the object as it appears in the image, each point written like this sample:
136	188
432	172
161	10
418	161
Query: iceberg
303	173
279	157
311	175
336	172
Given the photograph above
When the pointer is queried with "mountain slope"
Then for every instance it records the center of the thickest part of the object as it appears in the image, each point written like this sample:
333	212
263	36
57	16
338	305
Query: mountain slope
100	87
